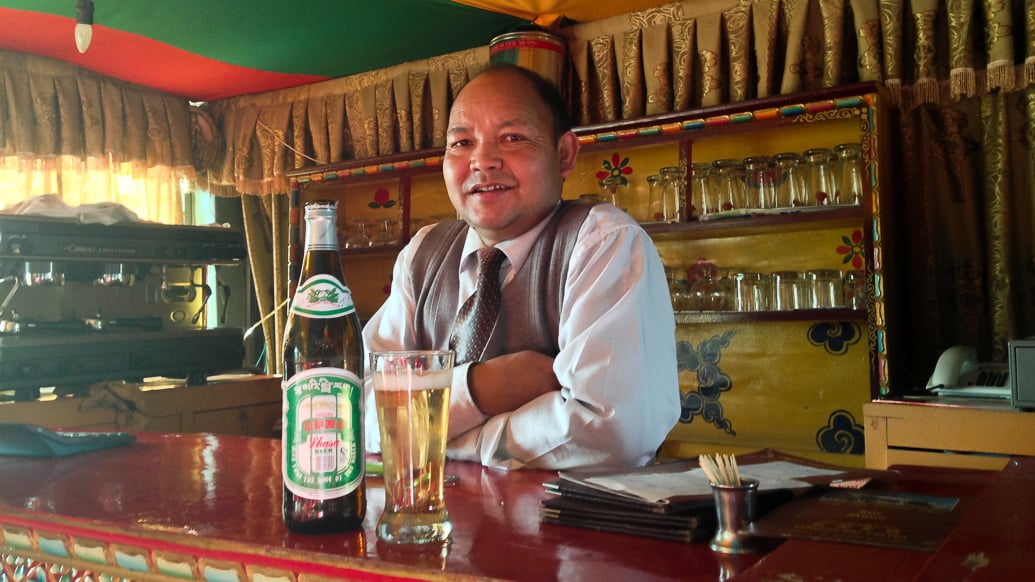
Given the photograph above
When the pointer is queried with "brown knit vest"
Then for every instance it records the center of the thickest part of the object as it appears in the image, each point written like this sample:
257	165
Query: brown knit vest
530	308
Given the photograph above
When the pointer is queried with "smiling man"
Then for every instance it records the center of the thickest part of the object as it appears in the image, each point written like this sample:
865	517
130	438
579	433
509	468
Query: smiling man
580	367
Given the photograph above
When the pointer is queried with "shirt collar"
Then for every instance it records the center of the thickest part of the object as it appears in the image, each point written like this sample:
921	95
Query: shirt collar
516	249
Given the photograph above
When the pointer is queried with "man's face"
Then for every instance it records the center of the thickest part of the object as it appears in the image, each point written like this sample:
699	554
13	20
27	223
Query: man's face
503	168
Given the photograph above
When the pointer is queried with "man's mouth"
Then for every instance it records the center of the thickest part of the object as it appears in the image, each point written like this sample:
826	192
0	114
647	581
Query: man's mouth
488	188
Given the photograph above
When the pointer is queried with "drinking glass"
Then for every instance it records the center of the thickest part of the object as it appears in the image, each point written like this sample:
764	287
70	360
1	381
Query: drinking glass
613	189
819	176
673	179
729	183
411	391
760	180
676	289
360	239
386	235
855	289
850	183
826	288
702	191
790	180
656	204
787	292
750	291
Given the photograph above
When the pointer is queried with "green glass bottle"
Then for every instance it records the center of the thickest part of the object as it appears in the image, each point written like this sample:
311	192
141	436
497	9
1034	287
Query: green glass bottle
323	463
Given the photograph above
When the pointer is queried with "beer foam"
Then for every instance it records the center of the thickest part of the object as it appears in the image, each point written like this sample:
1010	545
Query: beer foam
414	380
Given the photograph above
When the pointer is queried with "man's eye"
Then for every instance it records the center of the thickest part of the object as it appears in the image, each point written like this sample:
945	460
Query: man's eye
513	137
459	143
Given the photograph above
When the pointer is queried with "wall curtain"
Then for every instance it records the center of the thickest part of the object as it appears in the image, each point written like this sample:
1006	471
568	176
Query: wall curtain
90	139
958	73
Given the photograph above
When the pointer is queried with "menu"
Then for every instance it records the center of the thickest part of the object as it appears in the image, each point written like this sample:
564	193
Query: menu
876	518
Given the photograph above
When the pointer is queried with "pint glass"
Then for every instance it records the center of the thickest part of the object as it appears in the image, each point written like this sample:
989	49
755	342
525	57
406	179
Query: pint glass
411	390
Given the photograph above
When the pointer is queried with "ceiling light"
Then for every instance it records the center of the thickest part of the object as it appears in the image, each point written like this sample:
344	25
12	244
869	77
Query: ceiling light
83	24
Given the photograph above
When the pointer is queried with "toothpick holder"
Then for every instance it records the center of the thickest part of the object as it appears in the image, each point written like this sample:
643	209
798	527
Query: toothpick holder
735	510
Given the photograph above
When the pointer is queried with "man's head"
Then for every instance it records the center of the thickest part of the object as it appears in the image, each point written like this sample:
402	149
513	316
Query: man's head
508	149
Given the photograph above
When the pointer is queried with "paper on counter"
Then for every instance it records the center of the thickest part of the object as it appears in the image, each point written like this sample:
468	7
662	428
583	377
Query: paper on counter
657	487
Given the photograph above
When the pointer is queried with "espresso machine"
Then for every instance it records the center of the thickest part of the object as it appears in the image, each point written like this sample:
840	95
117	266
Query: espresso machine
89	302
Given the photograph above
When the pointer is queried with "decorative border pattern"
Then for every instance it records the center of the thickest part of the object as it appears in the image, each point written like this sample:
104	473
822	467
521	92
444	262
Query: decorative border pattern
428	162
59	549
827	109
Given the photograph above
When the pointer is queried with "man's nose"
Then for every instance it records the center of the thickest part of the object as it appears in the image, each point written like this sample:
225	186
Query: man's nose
486	156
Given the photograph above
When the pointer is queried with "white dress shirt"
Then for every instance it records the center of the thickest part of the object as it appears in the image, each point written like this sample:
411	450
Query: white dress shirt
617	361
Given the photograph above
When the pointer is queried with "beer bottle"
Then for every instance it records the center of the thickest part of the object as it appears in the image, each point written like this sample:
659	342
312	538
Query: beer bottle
322	458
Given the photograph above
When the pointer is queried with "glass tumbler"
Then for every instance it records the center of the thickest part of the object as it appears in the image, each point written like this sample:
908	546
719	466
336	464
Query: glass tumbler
787	293
673	179
729	183
855	289
826	288
819	176
750	291
850	181
760	182
702	190
656	201
613	190
790	180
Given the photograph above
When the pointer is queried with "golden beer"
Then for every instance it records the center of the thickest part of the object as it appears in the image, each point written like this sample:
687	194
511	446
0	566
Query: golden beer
411	391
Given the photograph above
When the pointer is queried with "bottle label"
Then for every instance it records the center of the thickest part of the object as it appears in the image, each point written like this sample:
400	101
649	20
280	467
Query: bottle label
322	297
323	446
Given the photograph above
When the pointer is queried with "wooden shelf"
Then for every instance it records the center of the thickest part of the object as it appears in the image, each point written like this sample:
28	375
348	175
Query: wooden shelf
828	217
692	317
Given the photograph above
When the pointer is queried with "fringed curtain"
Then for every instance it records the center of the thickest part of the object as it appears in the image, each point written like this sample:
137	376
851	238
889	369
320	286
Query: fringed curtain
958	72
400	109
90	139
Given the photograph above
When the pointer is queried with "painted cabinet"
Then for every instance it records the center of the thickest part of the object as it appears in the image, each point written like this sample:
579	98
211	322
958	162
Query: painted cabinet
796	379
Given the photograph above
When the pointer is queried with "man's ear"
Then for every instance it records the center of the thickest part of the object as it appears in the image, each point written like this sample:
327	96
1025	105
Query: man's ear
568	152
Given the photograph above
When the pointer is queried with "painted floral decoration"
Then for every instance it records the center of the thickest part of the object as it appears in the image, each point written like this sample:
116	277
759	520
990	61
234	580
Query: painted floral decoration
382	199
616	167
852	249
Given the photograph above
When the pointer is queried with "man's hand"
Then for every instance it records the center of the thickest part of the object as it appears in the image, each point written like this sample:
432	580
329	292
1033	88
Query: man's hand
507	382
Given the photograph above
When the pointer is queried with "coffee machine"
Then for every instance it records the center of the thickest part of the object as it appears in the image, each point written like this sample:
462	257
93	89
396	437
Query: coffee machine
90	302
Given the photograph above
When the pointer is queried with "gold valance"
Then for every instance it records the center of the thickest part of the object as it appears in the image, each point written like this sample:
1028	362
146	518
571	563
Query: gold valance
673	57
50	108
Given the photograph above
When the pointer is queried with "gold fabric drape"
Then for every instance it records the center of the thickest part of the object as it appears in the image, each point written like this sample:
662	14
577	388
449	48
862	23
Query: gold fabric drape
90	139
943	62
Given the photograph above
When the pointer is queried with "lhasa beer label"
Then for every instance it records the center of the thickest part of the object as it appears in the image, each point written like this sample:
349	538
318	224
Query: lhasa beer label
322	297
321	408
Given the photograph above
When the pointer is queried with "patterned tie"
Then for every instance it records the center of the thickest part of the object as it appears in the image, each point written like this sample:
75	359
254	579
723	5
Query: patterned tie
477	316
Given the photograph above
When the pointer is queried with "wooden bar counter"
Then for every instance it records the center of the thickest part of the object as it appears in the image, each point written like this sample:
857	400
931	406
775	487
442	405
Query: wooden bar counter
201	506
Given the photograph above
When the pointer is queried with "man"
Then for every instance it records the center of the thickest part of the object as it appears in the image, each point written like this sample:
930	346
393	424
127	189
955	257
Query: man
580	369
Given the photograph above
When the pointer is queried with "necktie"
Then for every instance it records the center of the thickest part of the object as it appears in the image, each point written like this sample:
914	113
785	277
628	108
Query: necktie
477	316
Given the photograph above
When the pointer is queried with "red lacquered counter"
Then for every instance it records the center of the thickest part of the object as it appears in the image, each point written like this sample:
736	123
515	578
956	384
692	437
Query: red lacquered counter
208	507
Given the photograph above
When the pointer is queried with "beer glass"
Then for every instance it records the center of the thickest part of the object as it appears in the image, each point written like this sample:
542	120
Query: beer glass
411	390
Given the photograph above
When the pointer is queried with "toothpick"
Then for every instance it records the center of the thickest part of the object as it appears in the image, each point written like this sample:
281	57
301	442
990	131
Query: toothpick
720	469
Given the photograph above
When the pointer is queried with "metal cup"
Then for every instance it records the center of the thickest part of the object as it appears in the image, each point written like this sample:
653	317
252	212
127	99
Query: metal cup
735	510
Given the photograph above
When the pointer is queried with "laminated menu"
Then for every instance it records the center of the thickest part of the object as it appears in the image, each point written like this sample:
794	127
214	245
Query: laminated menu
674	500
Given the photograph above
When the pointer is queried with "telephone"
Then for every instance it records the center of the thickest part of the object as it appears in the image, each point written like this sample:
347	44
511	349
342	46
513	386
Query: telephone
958	373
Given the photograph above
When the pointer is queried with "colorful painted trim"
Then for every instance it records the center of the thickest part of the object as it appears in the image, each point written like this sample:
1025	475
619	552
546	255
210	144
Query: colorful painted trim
33	546
428	162
719	121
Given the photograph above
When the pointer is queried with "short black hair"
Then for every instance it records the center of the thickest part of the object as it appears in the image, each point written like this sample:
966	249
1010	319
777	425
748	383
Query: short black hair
548	93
